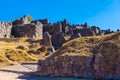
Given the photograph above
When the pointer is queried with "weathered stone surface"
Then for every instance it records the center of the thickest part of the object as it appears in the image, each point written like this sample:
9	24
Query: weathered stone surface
57	40
53	29
96	30
21	21
74	36
44	25
45	22
47	39
5	30
51	49
84	32
86	26
27	30
79	66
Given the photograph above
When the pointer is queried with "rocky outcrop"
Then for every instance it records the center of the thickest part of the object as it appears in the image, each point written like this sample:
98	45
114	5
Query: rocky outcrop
79	66
5	29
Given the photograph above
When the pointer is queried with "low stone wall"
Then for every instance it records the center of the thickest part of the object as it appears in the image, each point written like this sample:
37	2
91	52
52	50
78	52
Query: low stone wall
79	66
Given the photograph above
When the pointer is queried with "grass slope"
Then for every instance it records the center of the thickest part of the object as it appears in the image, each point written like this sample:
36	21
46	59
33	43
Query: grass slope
108	46
11	54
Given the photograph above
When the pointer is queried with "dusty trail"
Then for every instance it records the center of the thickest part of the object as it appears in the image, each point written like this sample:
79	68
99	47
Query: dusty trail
17	72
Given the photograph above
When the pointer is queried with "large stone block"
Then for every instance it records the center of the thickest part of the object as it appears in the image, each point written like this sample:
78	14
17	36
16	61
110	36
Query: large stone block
27	30
47	39
5	30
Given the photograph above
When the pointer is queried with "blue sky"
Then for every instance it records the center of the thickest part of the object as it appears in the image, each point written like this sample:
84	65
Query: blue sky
102	13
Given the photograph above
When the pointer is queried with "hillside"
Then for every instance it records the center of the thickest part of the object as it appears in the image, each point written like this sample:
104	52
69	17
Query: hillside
108	46
17	50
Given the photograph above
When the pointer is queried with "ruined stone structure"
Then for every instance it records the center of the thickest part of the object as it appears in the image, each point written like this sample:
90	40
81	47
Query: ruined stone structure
47	39
23	27
45	22
57	40
20	21
53	28
5	30
96	30
84	32
74	36
79	66
27	30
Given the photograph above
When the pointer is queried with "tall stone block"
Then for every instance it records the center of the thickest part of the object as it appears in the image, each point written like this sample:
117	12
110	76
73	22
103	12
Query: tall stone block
57	40
47	39
5	30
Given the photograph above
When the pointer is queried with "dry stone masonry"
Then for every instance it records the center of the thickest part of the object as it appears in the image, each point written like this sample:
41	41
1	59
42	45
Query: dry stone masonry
20	21
23	27
5	30
79	66
27	30
53	34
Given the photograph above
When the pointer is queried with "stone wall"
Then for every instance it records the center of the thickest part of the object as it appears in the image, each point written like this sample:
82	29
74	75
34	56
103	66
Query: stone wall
53	29
28	30
58	40
79	66
23	27
20	21
5	30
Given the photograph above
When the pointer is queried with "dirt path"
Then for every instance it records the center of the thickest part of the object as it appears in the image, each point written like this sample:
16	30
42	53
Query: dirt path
25	72
9	76
17	72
